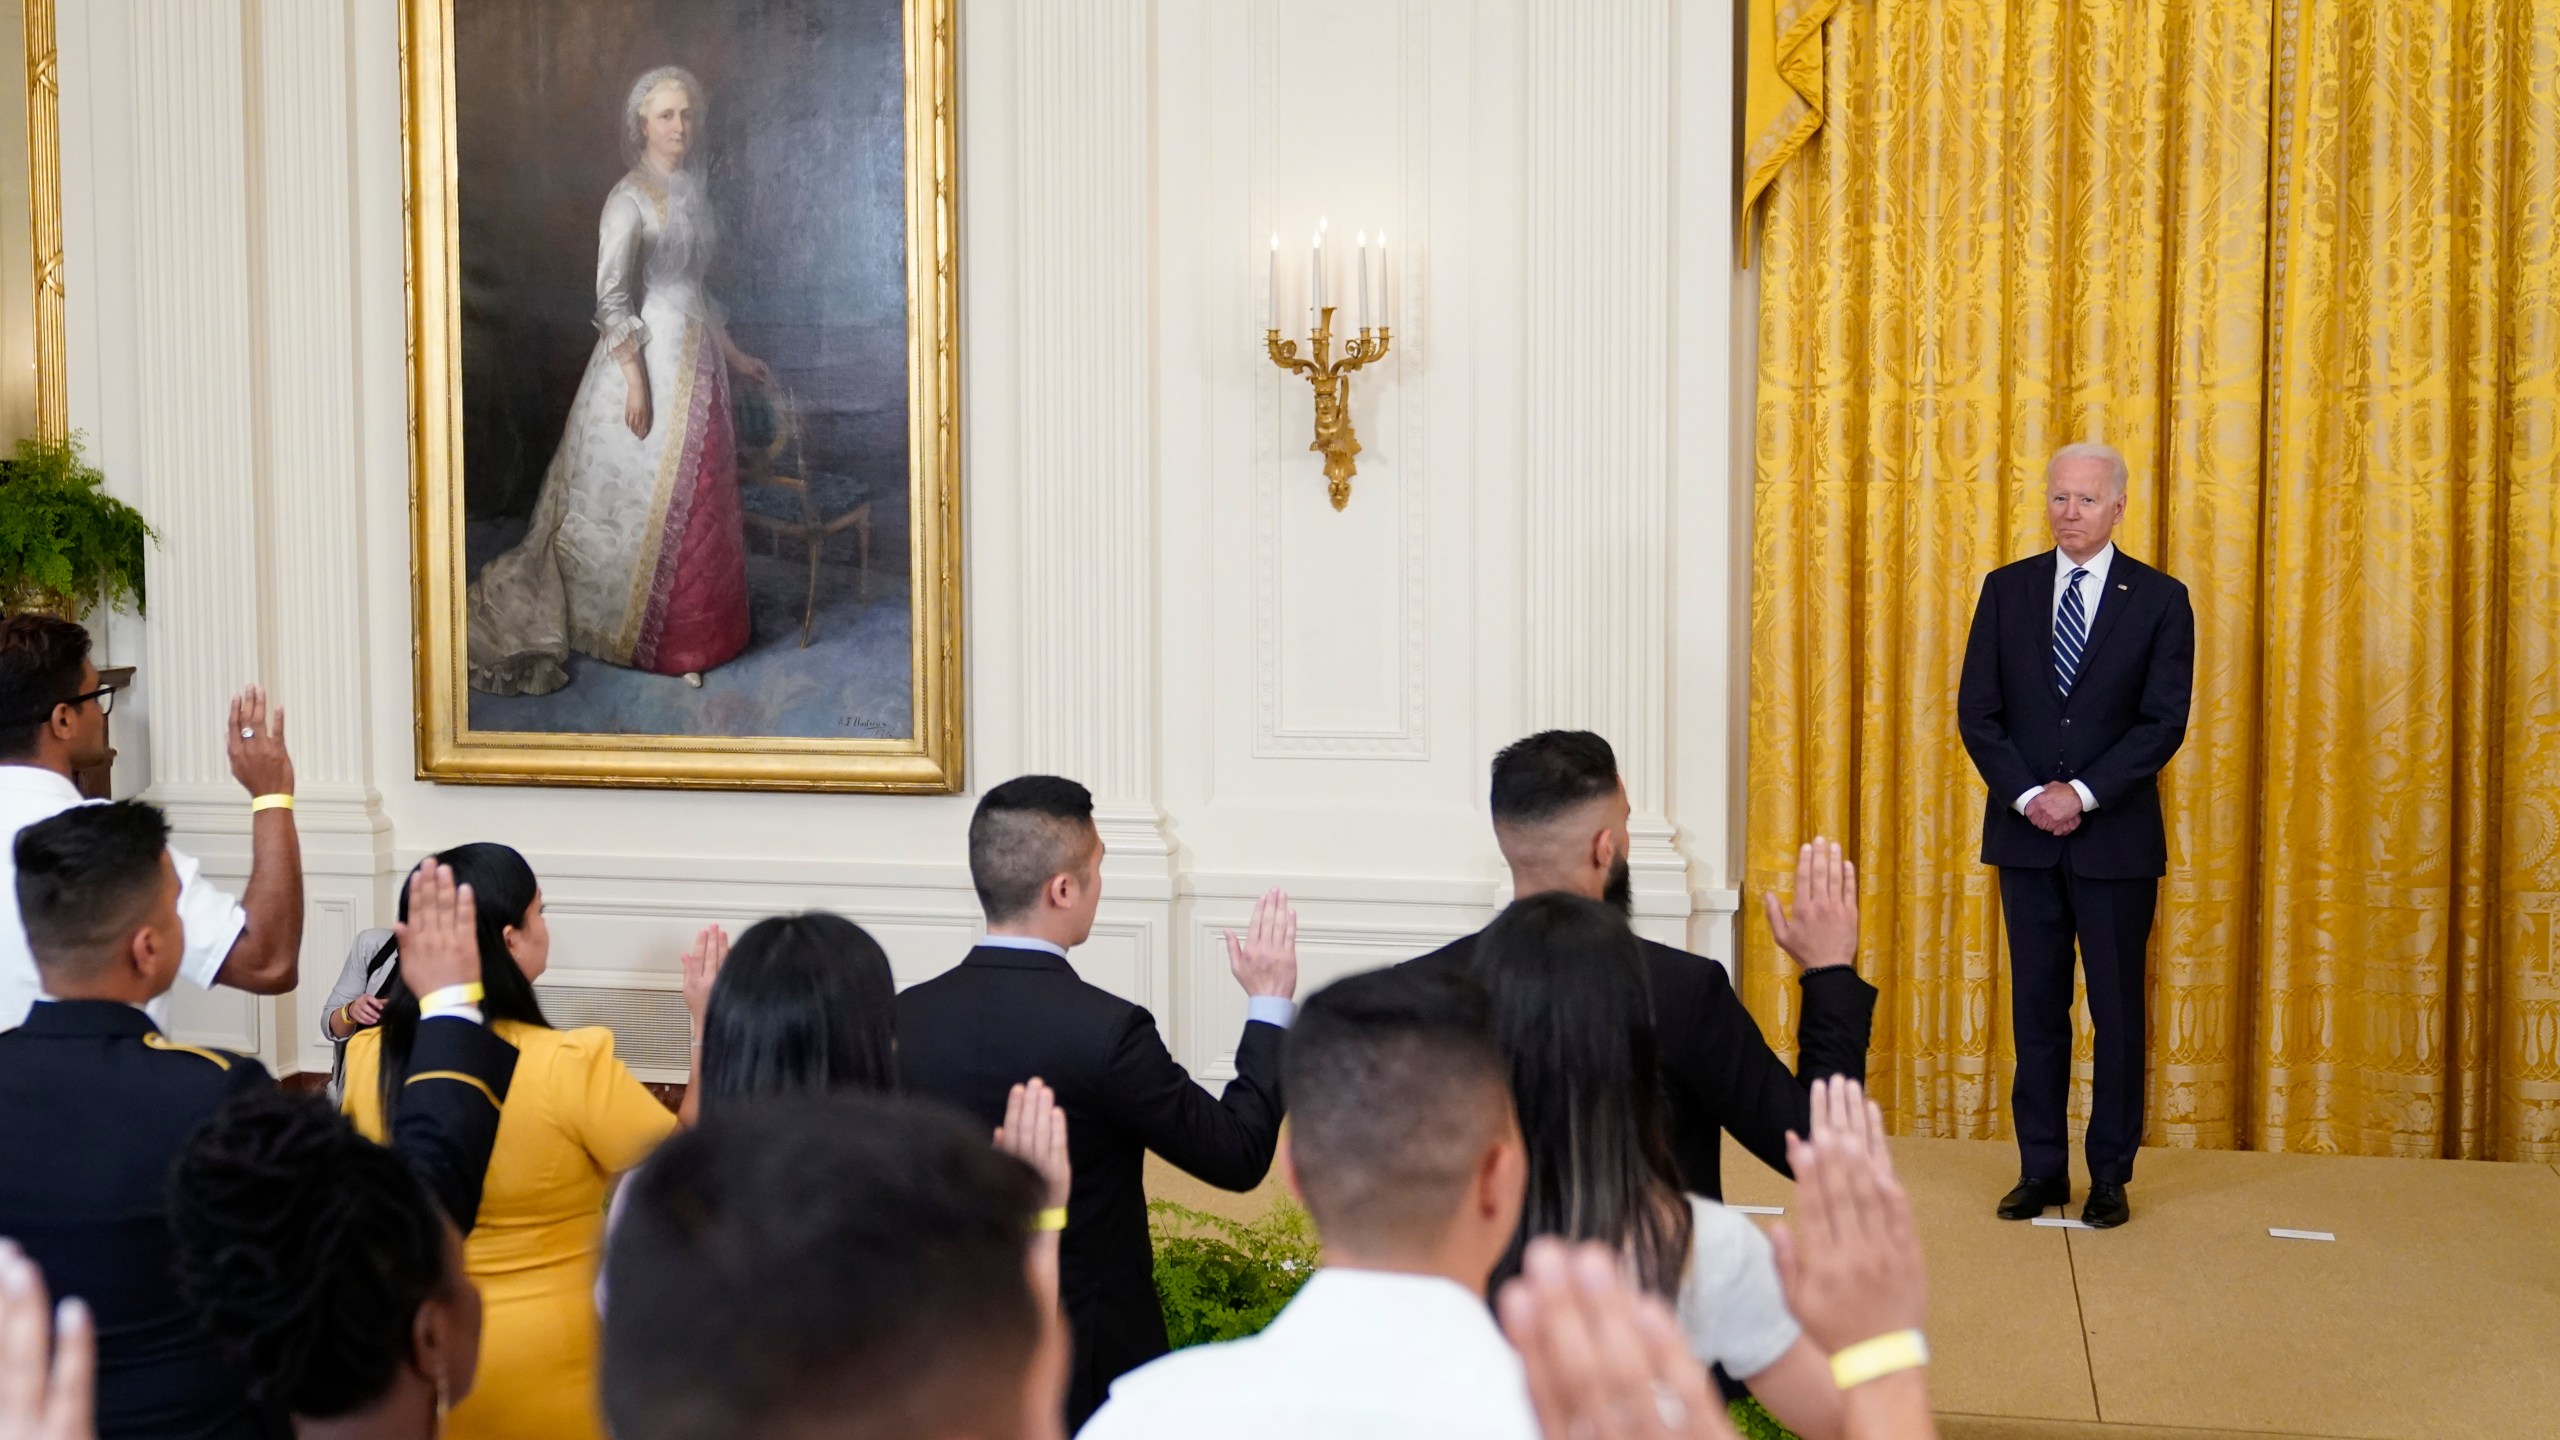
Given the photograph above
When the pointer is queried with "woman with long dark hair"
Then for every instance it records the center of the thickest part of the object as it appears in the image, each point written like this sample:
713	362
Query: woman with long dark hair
1574	1012
804	1006
324	1268
574	1119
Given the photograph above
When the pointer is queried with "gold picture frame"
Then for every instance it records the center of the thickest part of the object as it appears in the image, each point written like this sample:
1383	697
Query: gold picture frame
927	761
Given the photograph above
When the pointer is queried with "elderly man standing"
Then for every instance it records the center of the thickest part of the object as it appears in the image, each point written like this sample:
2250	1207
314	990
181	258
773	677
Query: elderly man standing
2076	679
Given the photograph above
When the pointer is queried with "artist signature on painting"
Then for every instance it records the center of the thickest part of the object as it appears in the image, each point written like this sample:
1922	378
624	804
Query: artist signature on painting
866	728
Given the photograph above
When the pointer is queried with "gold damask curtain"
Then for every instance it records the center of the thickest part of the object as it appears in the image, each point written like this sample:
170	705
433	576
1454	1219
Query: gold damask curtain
2300	261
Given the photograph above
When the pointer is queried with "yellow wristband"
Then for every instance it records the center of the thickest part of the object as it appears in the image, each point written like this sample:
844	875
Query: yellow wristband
450	997
270	802
1874	1359
1052	1219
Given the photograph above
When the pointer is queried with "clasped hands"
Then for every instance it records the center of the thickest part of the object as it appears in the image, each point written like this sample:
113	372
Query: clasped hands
2055	809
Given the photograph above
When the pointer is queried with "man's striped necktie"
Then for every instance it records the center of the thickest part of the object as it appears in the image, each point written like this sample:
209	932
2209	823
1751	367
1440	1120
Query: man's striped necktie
2070	633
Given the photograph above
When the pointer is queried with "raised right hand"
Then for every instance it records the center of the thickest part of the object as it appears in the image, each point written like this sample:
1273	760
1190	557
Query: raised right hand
1265	961
1821	929
440	941
1850	1264
1035	1132
43	1398
255	741
1604	1361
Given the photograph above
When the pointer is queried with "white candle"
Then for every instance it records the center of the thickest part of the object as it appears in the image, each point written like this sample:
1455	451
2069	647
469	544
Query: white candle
1315	280
1271	287
1364	279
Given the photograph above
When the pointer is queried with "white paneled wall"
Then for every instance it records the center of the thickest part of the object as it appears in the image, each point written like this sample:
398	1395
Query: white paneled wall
1545	527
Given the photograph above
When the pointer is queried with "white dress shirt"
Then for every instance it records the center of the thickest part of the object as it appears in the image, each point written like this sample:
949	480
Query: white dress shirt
1269	1009
2093	588
213	920
1357	1355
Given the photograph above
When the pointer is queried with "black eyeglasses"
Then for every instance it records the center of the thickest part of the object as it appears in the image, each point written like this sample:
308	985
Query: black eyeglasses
105	695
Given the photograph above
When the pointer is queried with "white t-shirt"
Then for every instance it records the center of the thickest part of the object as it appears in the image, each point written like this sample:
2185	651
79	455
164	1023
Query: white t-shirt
1731	1306
213	920
1356	1355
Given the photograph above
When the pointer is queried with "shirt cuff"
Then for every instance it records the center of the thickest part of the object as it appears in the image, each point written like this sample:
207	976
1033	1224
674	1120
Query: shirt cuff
2020	804
2087	800
1270	1010
456	1012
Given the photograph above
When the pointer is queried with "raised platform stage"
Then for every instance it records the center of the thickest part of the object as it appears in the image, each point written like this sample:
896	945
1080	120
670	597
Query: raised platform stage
2434	1314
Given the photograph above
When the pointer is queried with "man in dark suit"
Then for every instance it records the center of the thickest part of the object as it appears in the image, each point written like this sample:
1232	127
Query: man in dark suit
2076	679
1014	1009
95	1105
1560	815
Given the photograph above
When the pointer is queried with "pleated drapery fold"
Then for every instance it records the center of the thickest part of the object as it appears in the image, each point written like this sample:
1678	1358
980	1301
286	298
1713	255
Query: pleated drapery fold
2300	261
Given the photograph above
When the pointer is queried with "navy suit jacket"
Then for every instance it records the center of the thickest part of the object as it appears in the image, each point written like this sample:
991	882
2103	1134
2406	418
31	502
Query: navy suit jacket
2125	716
1002	1016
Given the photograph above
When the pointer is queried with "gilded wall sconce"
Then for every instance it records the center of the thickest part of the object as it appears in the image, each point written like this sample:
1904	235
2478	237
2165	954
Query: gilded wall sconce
1329	374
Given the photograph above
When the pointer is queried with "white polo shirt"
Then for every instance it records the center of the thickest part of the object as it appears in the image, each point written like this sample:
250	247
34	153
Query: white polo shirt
213	920
1356	1355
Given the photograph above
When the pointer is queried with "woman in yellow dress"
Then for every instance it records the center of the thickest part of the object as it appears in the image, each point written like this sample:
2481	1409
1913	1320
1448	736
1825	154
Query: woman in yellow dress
575	1118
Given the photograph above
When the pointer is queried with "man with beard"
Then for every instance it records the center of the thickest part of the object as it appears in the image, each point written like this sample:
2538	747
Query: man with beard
1560	816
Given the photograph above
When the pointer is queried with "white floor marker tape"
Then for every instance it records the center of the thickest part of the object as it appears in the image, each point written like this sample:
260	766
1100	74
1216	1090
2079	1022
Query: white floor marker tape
1757	1209
2301	1234
2056	1222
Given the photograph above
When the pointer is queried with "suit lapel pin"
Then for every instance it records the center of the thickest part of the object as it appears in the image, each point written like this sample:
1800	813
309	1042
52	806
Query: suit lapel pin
2122	586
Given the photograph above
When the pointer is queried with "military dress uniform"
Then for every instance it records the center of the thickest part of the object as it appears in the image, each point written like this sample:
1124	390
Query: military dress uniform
95	1104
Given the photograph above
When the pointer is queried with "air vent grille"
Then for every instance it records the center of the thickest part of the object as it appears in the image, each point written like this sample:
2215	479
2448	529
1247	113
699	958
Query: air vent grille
651	1031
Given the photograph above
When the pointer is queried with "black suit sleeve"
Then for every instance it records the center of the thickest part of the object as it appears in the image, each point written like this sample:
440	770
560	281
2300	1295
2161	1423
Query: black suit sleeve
2167	687
1981	715
448	1116
1227	1142
1739	1080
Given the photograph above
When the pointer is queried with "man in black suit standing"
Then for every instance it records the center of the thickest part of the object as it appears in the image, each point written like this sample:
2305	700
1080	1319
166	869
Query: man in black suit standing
1013	1009
1560	815
95	1105
2075	689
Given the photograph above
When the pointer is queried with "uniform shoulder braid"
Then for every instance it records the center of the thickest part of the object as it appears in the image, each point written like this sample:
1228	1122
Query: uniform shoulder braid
222	1060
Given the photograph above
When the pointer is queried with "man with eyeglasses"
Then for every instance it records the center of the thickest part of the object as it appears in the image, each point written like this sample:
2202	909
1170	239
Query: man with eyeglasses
53	724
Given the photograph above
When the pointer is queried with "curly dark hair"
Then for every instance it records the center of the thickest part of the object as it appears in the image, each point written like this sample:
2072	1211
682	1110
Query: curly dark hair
305	1249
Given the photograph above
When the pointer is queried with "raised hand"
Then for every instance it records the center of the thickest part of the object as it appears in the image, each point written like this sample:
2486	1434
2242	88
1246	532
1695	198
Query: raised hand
43	1397
1821	929
1035	1132
1604	1362
255	742
1265	961
1850	1264
702	970
440	940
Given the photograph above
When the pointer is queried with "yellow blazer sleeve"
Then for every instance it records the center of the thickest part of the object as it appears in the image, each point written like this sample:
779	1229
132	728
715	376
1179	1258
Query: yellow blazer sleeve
617	1119
361	1100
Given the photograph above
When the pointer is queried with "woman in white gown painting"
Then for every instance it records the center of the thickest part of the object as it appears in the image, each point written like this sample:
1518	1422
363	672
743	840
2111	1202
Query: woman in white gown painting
636	553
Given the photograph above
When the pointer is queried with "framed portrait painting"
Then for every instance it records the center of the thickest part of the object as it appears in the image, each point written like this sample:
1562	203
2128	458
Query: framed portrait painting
684	370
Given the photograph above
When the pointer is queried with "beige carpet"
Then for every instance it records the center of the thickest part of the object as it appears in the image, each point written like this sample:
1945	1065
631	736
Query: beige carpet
2434	1314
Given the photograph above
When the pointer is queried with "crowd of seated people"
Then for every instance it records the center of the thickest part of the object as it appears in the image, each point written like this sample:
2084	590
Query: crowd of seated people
885	1214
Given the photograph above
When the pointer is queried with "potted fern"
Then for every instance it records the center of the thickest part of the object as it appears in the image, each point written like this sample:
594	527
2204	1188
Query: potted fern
66	545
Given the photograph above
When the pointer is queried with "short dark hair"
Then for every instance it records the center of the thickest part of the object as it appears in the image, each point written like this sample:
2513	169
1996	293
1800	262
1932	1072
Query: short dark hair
1549	773
1027	830
86	879
40	660
852	1266
305	1249
805	1005
1395	1084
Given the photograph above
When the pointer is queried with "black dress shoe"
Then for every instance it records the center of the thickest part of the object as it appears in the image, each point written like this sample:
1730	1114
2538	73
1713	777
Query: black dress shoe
2105	1208
2035	1196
